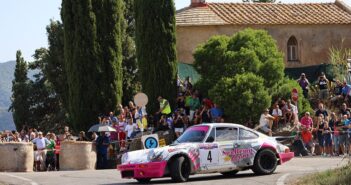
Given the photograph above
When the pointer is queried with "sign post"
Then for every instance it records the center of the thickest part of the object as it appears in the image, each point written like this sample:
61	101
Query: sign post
150	141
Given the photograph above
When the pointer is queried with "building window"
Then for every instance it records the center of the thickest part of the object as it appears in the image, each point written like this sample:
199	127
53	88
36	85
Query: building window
292	49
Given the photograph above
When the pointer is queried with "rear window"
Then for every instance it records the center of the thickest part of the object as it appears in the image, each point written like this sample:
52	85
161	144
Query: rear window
246	134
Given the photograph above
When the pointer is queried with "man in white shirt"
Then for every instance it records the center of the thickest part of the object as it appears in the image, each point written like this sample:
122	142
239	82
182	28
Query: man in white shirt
266	121
41	143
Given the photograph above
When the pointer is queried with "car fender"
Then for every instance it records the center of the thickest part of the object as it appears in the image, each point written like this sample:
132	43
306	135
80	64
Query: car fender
191	154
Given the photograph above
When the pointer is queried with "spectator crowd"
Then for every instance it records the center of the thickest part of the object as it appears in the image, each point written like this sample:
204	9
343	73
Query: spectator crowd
327	128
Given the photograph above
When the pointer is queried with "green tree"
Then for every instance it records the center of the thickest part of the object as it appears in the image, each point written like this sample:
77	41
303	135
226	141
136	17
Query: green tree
109	25
243	97
20	92
283	91
156	49
54	70
46	108
131	82
246	51
93	57
81	62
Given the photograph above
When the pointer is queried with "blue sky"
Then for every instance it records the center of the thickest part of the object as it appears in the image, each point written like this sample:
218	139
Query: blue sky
23	22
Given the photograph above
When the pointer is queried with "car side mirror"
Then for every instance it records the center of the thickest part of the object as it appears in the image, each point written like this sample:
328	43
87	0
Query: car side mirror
210	139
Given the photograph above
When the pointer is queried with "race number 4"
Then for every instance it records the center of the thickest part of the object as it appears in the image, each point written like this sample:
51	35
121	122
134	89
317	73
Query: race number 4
209	156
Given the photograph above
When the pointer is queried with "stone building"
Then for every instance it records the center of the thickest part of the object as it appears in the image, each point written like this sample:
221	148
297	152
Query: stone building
304	32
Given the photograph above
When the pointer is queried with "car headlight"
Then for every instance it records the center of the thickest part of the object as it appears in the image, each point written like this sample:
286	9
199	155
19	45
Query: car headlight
124	158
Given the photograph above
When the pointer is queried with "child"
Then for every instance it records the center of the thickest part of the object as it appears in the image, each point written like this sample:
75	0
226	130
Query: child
327	139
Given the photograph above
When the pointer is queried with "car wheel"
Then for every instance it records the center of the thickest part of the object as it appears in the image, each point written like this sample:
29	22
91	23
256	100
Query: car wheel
180	169
265	162
230	173
144	180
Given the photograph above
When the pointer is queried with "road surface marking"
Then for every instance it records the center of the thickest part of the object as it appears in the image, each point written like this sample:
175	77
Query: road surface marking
281	179
21	178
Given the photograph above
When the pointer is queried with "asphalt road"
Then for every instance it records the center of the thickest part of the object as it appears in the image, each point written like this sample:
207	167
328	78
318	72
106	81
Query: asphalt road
284	174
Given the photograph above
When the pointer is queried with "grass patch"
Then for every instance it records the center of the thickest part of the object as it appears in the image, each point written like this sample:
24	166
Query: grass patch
338	176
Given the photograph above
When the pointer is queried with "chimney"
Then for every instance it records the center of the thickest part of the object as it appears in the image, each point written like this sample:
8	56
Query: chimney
196	3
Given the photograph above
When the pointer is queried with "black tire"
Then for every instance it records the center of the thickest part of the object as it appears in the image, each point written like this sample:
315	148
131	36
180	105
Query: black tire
180	169
230	173
265	162
144	180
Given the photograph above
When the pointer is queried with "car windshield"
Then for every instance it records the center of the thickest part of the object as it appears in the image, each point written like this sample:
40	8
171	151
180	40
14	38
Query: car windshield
194	134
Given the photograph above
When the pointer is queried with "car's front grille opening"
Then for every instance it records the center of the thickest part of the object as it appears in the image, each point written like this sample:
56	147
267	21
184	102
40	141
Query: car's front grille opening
128	173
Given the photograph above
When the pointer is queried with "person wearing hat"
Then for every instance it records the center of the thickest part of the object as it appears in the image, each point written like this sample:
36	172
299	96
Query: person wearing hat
304	83
266	122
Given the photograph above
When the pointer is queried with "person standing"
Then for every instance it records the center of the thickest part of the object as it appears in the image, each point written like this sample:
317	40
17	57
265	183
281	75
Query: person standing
165	107
333	121
194	104
50	154
102	143
323	87
304	83
41	144
321	110
178	124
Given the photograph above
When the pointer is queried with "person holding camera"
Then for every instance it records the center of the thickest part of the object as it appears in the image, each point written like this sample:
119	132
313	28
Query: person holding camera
304	83
178	124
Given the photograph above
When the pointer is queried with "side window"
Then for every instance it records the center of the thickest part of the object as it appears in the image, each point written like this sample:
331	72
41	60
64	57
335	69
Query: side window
211	137
246	134
226	134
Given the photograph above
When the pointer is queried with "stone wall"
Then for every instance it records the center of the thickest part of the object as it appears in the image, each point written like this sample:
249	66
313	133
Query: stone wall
16	157
314	41
77	155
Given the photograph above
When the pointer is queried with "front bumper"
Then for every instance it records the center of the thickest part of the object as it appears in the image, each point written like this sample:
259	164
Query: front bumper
284	157
143	170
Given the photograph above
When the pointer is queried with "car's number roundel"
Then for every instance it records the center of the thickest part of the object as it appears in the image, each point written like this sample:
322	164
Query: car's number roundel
209	155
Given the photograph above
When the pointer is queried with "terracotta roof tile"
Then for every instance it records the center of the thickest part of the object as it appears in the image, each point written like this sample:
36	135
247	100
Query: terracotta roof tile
262	14
201	15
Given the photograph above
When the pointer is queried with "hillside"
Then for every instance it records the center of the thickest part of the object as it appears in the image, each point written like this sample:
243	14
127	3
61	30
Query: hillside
6	76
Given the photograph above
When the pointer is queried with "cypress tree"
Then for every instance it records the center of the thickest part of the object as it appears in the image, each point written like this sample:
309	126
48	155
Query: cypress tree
109	20
55	70
20	92
93	57
81	62
156	49
131	82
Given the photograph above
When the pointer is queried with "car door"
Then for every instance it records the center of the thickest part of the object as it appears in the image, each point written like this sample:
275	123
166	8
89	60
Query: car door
215	154
209	153
226	137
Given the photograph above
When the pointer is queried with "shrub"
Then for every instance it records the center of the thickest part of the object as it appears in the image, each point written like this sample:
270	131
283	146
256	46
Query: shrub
283	90
243	97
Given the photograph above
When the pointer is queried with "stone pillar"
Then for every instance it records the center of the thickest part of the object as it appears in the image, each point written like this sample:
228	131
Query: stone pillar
16	157
77	155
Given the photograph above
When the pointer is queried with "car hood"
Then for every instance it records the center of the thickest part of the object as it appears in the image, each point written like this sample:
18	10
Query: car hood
155	154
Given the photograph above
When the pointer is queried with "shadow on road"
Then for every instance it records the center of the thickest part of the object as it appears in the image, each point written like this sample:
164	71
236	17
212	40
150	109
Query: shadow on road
191	179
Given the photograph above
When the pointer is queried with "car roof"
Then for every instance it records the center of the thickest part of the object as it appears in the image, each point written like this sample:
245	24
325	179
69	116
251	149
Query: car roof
223	125
231	125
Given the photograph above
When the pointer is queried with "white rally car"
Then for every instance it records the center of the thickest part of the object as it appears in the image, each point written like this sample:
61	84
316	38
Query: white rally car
207	148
